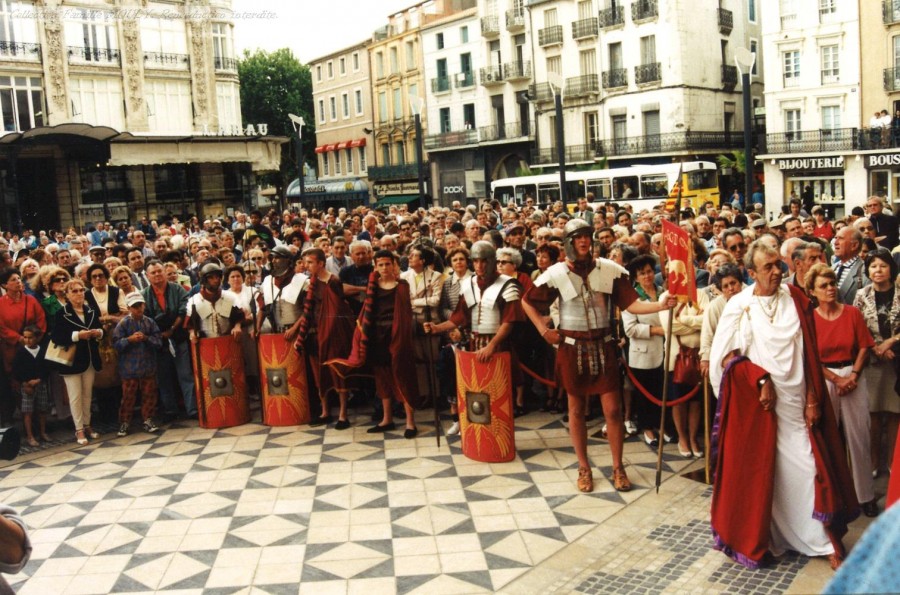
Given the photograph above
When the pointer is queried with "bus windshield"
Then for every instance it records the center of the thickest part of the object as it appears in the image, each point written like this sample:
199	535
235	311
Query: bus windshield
702	179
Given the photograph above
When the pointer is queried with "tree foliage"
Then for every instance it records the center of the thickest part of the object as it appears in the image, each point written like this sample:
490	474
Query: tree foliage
273	85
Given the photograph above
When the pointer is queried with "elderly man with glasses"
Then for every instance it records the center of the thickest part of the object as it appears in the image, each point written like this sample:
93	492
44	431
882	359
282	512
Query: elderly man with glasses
848	267
886	226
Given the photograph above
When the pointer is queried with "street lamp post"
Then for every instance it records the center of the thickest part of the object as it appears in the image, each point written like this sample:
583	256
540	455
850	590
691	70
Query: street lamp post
744	59
415	104
556	85
298	124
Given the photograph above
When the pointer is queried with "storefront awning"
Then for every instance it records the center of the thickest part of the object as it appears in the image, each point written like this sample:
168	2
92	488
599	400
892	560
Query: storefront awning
347	144
262	153
397	199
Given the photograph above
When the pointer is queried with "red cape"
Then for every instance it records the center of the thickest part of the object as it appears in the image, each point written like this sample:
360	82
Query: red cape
742	494
334	329
893	493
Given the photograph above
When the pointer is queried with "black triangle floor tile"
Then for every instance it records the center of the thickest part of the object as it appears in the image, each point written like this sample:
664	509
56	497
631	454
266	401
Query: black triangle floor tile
496	562
550	532
482	578
313	575
141	559
406	584
462	528
490	538
196	581
383	570
126	584
385	546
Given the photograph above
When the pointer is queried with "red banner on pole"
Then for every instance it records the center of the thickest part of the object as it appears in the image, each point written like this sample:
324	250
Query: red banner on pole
679	262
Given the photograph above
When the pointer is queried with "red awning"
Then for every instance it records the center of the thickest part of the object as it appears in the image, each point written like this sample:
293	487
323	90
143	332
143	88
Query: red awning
321	149
360	142
342	145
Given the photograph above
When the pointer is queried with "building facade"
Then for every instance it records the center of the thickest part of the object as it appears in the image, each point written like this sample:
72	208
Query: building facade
118	109
342	99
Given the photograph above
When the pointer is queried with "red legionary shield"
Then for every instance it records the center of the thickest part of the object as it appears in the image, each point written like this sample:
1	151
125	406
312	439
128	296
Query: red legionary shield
484	397
282	379
221	383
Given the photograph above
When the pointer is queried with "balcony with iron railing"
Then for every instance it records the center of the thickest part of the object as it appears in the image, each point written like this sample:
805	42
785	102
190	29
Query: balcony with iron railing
388	173
456	138
573	154
612	17
540	92
585	28
644	10
811	141
581	86
615	78
726	21
490	26
670	142
506	131
892	79
515	20
165	60
440	84
491	75
645	74
552	35
729	76
520	69
93	55
20	51
465	79
890	11
229	64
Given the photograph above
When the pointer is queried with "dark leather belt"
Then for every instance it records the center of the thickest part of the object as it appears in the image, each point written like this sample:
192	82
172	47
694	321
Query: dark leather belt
844	364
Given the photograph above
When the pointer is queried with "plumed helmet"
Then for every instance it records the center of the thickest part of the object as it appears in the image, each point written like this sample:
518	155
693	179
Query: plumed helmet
574	228
208	269
482	250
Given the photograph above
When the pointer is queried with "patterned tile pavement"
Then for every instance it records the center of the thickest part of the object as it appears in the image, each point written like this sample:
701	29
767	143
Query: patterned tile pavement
302	510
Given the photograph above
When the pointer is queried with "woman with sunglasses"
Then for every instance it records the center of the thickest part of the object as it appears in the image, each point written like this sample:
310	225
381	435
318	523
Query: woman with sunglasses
843	344
879	303
55	279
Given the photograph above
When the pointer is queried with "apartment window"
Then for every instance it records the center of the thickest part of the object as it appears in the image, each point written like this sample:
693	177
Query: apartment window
791	122
345	105
791	61
551	18
362	159
355	61
395	60
591	129
342	66
585	9
788	13
754	49
440	40
398	104
464	34
337	162
830	64
401	152
319	73
552	125
93	33
469	116
21	103
349	161
831	117
322	111
325	159
445	119
620	129
896	42
410	55
169	107
17	23
648	49
97	101
413	90
223	48
330	67
379	65
359	102
615	56
385	154
332	104
382	106
827	7
163	35
588	60
554	64
751	10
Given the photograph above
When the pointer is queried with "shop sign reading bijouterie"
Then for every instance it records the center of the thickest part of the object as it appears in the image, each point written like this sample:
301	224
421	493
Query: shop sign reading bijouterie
807	163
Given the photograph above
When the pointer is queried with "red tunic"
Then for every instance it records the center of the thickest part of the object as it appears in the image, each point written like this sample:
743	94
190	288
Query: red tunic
331	332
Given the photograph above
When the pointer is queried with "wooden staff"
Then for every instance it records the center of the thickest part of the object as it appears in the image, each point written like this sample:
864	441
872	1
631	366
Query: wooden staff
706	432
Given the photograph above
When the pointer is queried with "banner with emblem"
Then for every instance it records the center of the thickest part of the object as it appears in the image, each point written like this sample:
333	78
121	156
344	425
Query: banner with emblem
678	251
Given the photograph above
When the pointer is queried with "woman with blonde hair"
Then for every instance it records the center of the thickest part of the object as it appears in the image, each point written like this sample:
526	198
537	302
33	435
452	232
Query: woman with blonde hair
121	278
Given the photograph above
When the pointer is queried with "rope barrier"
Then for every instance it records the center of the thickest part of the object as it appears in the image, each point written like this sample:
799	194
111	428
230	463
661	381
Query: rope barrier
650	397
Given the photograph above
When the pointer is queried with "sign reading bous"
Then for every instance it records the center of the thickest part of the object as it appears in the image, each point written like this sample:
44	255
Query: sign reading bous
811	163
885	159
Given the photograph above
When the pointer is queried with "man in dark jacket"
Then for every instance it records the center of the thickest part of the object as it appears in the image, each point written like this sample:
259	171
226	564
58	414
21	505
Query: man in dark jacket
887	233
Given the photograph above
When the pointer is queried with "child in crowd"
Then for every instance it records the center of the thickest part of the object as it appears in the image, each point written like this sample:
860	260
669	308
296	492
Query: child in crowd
137	339
31	372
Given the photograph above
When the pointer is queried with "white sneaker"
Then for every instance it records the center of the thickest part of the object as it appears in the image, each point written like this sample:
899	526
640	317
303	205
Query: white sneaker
630	428
453	430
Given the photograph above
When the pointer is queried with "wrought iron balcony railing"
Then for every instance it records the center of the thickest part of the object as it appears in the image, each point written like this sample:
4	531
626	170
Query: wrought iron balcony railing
644	10
21	51
585	28
615	78
454	138
550	35
540	92
162	59
573	154
890	11
892	79
515	20
517	70
647	73
384	173
96	55
612	17
726	21
492	75
440	84
509	130
729	75
809	141
673	142
229	64
579	86
490	26
465	79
